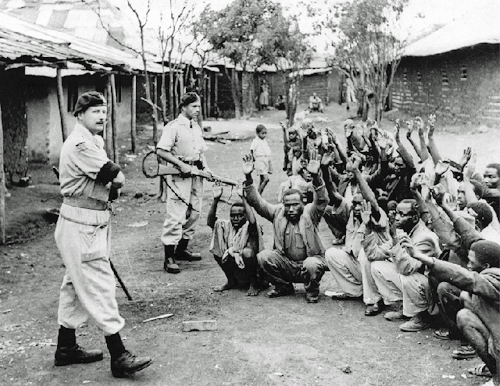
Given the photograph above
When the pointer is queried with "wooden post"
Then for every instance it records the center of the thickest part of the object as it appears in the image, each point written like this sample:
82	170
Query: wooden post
155	95
62	110
108	133
114	128
2	185
133	113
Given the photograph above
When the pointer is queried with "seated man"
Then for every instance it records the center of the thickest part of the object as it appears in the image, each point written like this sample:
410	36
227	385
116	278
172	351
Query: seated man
235	244
298	254
406	274
480	285
280	103
315	103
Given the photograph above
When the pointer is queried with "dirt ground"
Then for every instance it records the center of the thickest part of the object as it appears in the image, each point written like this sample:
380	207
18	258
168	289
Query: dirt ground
259	341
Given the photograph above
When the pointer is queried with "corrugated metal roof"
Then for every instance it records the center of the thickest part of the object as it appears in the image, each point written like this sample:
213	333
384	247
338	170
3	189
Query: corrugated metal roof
479	25
23	42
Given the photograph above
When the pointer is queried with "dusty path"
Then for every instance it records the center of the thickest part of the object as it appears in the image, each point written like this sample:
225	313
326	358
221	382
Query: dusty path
259	341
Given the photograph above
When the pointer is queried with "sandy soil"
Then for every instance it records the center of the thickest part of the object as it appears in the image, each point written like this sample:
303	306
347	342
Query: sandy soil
259	341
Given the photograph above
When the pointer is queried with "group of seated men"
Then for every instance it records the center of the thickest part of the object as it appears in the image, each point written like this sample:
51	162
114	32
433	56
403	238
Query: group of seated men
415	237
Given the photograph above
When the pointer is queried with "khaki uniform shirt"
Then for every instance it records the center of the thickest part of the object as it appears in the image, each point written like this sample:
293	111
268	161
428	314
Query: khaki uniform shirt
184	139
82	157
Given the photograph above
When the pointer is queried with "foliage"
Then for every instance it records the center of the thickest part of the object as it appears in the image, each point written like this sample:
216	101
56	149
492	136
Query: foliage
234	33
286	47
367	44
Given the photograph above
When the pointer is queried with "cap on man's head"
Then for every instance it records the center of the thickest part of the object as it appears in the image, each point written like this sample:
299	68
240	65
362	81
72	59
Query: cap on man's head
89	99
188	98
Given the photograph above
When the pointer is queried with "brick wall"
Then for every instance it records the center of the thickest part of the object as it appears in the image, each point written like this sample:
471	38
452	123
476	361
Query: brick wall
461	86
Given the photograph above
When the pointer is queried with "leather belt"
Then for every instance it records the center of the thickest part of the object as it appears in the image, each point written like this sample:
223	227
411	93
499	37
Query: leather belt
86	203
197	163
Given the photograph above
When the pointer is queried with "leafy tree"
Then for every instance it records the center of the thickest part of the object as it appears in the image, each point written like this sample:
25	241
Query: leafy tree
367	45
233	33
286	47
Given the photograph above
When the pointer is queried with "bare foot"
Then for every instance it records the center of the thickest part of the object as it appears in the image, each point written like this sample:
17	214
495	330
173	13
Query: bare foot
225	287
253	290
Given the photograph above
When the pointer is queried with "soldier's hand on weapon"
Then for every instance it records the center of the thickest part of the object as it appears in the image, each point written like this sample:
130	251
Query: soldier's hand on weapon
217	190
185	169
248	165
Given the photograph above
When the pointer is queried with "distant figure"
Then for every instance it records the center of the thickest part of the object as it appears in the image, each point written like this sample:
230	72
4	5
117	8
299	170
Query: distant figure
315	103
261	153
264	96
280	103
350	93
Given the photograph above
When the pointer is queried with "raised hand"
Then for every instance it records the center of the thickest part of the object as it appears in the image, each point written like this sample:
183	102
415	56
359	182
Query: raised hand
441	168
348	128
383	140
366	212
353	163
432	124
407	243
248	165
420	125
397	127
465	156
410	125
313	166
327	158
217	190
438	194
417	180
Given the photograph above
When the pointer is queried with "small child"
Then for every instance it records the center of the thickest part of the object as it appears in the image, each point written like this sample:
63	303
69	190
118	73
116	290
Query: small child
293	149
261	153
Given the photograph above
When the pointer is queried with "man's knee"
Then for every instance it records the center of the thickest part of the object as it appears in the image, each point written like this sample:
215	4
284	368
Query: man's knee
333	254
466	318
265	257
444	289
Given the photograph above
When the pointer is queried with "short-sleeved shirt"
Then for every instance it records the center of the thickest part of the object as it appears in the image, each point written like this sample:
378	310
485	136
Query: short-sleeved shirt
82	157
183	138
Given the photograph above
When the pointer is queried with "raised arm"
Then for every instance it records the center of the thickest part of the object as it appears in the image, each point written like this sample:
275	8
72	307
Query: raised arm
424	151
212	213
410	125
407	158
436	157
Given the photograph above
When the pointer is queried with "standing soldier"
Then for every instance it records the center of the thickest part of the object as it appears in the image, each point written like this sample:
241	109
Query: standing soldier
182	145
83	236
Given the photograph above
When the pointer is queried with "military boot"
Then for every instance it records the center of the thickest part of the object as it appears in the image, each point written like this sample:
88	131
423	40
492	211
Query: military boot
170	265
183	253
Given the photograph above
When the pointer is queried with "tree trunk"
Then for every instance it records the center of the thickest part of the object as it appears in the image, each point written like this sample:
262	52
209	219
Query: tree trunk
114	127
247	86
133	115
108	134
60	101
2	184
235	90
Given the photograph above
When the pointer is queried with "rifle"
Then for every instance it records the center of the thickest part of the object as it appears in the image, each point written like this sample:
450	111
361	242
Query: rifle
152	168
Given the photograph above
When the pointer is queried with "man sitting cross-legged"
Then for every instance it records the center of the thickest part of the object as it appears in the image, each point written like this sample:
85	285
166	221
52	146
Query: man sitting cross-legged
298	254
478	321
235	244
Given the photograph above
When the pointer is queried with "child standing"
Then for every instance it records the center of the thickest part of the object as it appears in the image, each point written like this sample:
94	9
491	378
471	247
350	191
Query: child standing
261	153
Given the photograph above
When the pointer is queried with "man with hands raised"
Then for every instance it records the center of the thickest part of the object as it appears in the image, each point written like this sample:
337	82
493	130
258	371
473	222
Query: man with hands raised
298	253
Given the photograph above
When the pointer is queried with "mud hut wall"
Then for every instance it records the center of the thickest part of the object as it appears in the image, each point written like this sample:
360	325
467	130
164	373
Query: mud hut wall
15	130
461	86
314	83
44	140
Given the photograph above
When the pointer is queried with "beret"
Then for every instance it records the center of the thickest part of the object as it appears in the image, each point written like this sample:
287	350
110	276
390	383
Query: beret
89	99
188	98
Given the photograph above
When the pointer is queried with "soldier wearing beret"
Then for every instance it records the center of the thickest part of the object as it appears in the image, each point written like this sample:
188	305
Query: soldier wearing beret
182	145
83	237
